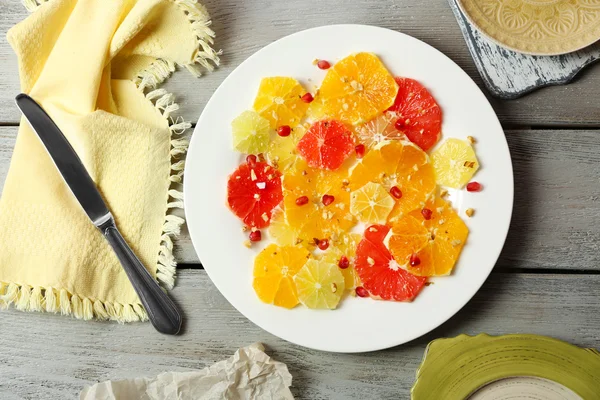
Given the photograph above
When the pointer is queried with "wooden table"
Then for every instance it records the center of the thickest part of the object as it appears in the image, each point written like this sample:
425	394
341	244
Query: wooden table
546	281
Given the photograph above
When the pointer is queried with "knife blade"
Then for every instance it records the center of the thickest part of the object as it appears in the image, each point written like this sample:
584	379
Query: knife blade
162	312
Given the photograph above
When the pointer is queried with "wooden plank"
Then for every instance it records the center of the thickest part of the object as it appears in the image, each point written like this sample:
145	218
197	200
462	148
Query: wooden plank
53	357
557	207
244	27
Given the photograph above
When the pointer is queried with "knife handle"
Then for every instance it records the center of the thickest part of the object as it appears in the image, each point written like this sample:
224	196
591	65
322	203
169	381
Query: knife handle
160	308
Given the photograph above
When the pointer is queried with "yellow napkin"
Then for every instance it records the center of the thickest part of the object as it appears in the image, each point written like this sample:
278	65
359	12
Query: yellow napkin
94	66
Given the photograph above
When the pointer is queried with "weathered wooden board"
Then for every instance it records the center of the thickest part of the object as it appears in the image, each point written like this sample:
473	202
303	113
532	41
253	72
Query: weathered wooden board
244	27
508	74
53	357
557	200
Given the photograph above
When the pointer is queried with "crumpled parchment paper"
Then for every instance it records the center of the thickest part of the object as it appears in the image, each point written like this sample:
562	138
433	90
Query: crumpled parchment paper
248	374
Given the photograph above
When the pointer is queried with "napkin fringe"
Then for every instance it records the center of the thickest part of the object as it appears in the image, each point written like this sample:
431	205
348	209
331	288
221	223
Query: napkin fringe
38	299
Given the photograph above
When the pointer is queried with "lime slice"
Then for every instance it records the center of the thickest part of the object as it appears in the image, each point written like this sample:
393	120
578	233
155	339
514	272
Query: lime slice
251	133
320	284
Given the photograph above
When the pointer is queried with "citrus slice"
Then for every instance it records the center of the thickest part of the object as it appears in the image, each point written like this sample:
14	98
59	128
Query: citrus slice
282	152
379	272
358	88
250	132
253	191
418	115
344	246
455	163
278	100
280	231
326	144
320	284
316	109
274	270
428	243
305	212
402	168
371	203
377	130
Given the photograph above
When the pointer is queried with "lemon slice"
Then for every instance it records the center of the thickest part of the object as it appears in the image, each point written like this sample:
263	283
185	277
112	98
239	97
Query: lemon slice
251	133
320	284
280	231
274	269
371	203
282	153
455	163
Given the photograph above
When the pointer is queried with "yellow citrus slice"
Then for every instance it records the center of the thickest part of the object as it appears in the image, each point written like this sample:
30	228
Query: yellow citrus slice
455	163
371	203
251	133
404	171
428	242
320	284
316	109
282	153
358	88
280	231
305	212
278	100
274	270
377	130
342	252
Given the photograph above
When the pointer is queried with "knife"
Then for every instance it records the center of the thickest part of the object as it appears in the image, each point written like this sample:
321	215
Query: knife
161	310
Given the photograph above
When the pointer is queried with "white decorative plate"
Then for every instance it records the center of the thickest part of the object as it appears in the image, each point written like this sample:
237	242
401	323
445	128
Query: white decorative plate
358	324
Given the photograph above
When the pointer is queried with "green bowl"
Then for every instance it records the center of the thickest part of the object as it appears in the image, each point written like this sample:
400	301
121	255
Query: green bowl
456	368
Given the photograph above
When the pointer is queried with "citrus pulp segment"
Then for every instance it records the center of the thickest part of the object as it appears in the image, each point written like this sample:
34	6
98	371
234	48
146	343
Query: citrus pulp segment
436	242
314	219
250	133
274	270
326	144
455	163
316	109
282	153
344	245
253	191
278	100
417	114
280	231
371	203
401	165
320	284
379	272
377	130
358	88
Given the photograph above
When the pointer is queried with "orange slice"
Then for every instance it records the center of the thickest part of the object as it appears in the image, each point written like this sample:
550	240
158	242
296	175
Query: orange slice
401	165
377	130
358	88
429	247
274	270
278	100
313	219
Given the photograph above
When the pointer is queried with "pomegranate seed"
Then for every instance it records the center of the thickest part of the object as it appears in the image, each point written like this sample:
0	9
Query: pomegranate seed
360	151
284	131
473	187
396	192
307	98
399	124
323	244
426	212
414	260
362	292
327	199
344	262
302	200
251	159
322	64
255	236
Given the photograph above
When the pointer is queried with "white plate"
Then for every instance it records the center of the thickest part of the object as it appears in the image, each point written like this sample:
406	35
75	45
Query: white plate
358	324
